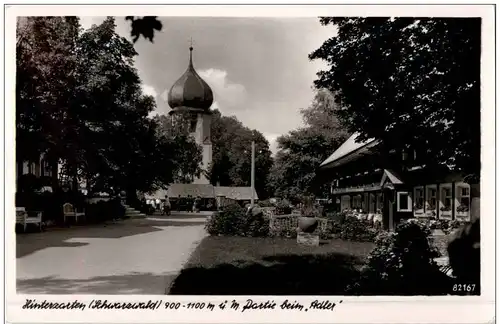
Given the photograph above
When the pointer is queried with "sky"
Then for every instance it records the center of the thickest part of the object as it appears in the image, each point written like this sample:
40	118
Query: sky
258	68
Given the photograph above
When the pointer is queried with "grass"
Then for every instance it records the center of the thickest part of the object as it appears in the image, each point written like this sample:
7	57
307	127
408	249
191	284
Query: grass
270	266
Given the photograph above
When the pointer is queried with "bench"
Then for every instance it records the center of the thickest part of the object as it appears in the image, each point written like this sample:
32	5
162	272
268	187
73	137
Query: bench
70	211
24	218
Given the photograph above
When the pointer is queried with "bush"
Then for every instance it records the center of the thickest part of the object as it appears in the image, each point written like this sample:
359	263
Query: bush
104	211
233	221
283	207
354	229
402	263
227	221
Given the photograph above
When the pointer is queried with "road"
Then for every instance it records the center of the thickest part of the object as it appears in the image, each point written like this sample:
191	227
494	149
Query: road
140	256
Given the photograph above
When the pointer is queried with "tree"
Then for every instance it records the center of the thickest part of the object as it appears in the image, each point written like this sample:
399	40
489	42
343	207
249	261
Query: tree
45	65
412	83
188	158
301	151
231	163
79	100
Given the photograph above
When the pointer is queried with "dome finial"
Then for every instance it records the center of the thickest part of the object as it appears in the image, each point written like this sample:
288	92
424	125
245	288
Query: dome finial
191	52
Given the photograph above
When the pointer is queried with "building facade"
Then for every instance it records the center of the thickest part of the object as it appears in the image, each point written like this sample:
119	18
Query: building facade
397	186
190	98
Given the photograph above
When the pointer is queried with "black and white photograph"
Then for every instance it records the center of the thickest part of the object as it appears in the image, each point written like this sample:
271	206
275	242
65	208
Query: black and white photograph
225	155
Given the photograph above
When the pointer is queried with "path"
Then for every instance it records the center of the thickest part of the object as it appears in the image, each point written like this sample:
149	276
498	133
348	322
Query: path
130	257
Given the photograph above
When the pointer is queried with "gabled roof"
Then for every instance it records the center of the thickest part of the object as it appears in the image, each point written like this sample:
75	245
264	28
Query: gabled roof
236	193
392	177
349	147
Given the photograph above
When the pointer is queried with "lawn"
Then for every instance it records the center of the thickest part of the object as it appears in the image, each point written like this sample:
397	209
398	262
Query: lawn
270	266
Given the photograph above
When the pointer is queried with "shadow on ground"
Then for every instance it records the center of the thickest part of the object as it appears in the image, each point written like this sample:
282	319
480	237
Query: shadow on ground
28	243
130	284
286	275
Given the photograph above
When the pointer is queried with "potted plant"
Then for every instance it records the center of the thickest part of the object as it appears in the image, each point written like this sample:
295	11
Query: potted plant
307	220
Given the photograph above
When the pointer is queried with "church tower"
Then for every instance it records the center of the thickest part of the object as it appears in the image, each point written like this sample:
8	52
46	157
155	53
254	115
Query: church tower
190	99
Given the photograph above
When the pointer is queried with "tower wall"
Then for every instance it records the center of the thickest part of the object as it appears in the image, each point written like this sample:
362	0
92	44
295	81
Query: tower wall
202	137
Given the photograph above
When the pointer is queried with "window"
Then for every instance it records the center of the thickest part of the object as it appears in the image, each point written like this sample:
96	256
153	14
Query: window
418	193
357	202
431	201
462	199
380	203
192	123
445	200
404	202
373	201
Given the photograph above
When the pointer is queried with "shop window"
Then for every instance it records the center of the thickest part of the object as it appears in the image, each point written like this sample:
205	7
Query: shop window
462	201
403	202
418	194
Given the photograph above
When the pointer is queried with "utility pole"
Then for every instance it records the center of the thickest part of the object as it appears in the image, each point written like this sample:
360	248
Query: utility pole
252	179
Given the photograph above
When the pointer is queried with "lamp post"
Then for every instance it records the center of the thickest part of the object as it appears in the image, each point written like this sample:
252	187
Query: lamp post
252	179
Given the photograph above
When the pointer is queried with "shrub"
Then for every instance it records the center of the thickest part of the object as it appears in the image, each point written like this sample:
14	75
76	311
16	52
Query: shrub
354	229
104	211
283	207
402	263
227	221
255	224
233	221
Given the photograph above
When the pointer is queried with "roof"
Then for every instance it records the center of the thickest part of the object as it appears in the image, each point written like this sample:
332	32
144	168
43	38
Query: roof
204	191
236	193
190	90
191	189
350	146
391	176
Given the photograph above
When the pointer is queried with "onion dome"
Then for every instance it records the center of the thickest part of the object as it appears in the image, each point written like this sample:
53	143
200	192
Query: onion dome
190	92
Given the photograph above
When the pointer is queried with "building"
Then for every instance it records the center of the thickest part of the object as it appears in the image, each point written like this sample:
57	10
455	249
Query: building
397	185
190	98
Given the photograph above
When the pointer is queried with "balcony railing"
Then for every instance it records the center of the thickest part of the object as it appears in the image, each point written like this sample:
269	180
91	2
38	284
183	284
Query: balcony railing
360	188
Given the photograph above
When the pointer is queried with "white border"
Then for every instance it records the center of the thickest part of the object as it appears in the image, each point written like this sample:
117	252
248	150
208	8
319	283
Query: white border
353	309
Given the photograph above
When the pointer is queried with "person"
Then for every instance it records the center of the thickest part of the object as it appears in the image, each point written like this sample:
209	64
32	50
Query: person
196	204
166	206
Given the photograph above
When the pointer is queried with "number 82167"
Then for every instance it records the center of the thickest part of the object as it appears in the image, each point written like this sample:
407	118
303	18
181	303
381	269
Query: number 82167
464	287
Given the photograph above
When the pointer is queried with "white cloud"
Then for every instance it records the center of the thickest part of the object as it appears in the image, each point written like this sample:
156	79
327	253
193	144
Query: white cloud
228	95
149	90
271	138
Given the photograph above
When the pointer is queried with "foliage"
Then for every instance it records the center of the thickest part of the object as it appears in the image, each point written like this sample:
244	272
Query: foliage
104	211
231	165
301	151
354	229
283	207
402	263
233	221
228	221
408	82
78	97
145	26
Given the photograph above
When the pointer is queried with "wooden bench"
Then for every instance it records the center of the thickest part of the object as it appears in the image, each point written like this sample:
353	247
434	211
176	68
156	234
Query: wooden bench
24	218
70	211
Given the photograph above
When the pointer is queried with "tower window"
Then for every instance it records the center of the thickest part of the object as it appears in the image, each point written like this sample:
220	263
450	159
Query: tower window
192	124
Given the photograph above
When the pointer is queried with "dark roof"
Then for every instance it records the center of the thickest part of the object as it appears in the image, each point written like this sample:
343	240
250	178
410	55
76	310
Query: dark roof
191	189
236	193
204	191
190	90
349	150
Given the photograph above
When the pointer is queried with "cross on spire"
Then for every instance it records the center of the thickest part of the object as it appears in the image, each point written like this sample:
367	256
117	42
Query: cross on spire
191	44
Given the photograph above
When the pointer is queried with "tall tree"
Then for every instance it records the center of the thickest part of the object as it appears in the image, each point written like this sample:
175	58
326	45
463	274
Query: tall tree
45	77
231	164
412	83
301	151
